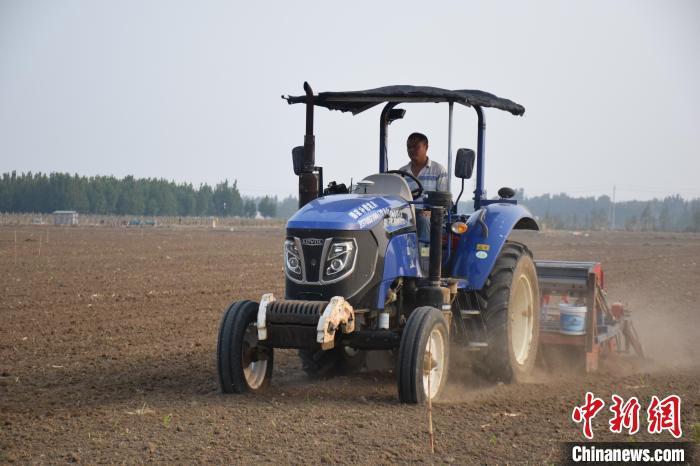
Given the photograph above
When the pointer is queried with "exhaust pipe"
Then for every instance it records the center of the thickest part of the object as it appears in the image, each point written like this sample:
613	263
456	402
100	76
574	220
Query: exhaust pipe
308	180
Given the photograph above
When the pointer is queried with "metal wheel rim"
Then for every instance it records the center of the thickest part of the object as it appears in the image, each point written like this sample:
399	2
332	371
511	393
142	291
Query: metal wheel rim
255	371
522	319
435	347
255	374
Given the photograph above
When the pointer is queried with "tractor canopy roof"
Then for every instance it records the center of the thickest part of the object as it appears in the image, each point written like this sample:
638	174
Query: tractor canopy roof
359	101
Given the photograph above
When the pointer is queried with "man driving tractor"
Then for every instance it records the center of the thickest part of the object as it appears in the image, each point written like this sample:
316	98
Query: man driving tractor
431	174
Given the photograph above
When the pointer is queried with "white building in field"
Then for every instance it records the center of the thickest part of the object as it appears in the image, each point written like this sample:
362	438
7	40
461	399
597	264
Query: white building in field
65	217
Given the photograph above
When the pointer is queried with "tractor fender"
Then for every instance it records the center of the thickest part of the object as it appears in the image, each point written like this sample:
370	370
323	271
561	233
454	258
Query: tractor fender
478	248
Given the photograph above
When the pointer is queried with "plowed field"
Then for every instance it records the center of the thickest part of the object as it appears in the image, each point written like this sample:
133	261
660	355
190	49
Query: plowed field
108	336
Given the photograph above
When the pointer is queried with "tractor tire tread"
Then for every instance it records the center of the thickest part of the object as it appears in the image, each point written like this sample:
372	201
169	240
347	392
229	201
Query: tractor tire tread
234	323
406	358
494	301
411	349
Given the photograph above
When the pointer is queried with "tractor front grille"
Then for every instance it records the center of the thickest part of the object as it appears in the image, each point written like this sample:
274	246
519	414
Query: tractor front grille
358	286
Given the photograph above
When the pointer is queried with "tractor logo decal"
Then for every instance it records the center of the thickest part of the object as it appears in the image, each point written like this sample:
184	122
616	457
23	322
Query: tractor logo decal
368	213
362	209
311	242
372	218
397	219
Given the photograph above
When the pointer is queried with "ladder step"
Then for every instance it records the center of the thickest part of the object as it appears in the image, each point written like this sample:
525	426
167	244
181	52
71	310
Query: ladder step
478	344
469	312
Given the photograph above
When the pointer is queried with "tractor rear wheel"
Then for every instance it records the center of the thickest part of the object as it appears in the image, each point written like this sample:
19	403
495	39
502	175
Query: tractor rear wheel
510	303
243	364
421	369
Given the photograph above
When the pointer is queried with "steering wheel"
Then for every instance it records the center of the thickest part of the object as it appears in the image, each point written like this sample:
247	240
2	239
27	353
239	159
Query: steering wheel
416	193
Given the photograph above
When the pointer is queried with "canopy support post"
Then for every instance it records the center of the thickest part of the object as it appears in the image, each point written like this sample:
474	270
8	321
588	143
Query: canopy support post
449	148
479	192
384	136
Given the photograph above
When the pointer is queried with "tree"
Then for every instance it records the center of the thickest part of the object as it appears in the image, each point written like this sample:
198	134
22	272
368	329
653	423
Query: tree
695	217
186	200
131	200
76	195
268	206
205	200
646	219
249	208
227	200
665	218
599	219
96	197
110	187
287	207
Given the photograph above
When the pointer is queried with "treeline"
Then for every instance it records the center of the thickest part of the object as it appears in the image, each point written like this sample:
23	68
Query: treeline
563	212
560	211
42	193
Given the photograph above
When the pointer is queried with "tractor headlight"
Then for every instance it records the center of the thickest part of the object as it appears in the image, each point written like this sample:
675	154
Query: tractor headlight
292	260
340	259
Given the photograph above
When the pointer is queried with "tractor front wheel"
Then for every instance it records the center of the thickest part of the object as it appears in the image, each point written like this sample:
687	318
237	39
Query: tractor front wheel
510	305
423	360
242	362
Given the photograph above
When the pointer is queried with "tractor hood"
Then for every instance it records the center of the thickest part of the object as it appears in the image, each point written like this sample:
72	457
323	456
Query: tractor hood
353	212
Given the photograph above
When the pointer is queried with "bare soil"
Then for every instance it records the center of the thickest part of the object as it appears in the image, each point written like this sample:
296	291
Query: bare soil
108	335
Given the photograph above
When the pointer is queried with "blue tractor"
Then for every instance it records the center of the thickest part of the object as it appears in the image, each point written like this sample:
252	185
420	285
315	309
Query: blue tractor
359	281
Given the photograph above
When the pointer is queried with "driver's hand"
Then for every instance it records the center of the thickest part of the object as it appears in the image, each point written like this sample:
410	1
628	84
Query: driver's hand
425	213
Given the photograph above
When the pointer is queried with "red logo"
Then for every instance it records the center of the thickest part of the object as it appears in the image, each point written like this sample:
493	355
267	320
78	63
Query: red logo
661	415
665	415
587	412
624	415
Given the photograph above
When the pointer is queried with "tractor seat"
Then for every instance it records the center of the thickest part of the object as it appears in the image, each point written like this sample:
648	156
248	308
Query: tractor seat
385	183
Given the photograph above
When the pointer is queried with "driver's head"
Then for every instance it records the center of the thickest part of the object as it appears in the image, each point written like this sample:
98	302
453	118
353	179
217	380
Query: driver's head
417	146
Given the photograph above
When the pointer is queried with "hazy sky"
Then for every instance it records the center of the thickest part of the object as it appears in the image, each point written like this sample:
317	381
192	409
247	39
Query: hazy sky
190	90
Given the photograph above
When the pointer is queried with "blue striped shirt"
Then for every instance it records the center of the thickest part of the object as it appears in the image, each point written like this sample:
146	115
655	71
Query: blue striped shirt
433	177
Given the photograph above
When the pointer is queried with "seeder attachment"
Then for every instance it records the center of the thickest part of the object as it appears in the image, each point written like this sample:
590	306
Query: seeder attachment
575	312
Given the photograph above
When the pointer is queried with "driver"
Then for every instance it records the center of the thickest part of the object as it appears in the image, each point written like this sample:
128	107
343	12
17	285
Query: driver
431	174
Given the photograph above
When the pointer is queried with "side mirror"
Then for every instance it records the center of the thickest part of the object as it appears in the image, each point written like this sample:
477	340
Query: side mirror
464	163
298	159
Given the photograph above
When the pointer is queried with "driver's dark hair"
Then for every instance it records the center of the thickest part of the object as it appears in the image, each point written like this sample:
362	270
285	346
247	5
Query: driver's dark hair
417	137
